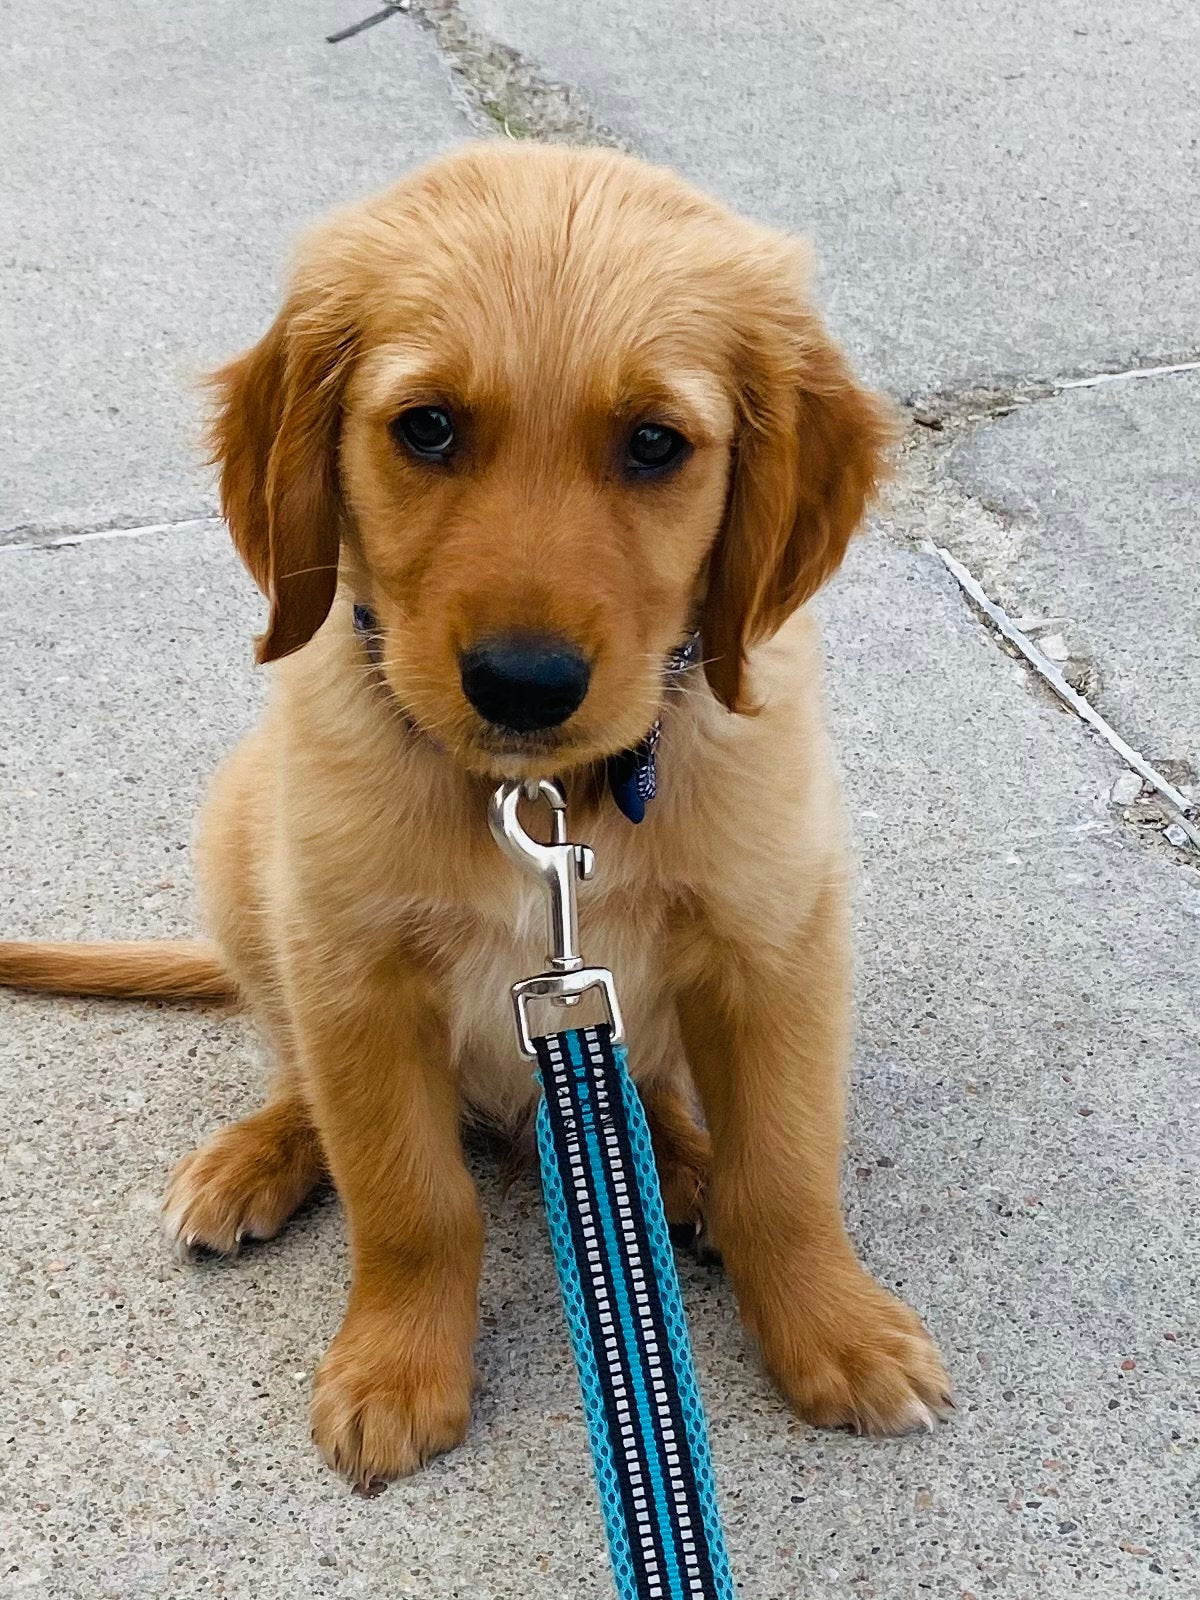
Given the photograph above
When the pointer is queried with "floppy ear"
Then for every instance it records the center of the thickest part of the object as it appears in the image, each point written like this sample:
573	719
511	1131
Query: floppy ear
274	435
808	457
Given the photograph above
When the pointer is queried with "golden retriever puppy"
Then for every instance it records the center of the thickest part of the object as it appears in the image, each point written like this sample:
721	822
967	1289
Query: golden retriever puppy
537	414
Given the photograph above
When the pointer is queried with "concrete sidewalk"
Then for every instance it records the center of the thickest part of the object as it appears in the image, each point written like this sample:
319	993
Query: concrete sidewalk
1024	1161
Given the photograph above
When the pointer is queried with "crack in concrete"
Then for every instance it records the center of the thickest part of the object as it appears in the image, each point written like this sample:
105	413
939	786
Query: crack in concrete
58	538
505	93
984	401
925	507
975	527
1129	375
1186	813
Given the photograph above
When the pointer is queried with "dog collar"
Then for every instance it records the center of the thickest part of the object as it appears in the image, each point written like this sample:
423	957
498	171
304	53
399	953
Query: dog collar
632	774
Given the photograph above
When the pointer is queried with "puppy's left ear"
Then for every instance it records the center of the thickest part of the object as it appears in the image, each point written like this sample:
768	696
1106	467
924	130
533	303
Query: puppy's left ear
810	452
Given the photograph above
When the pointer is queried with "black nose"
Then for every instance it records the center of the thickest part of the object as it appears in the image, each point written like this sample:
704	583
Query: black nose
524	682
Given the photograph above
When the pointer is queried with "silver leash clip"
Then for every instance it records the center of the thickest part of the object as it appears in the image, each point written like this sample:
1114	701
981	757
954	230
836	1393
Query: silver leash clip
559	866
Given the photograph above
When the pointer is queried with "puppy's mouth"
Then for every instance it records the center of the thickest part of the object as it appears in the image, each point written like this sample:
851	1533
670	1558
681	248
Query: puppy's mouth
509	744
508	753
502	754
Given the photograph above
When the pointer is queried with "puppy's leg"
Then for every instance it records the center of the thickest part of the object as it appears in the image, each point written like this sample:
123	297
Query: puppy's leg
767	1035
395	1386
682	1154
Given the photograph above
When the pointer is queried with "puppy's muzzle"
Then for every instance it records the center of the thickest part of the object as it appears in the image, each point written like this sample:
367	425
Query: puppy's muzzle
524	683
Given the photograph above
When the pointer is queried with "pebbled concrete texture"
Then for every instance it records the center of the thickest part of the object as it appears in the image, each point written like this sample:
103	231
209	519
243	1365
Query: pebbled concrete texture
158	165
994	191
1023	1163
1098	488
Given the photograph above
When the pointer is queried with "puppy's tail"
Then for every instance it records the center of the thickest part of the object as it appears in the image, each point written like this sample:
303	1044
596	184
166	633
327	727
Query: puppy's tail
167	969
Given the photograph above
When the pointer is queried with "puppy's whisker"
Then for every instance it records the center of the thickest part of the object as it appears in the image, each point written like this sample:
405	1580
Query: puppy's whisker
303	572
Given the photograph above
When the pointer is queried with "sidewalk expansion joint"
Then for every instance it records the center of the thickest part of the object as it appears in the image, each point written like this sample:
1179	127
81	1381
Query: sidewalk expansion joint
984	402
57	540
1185	827
504	91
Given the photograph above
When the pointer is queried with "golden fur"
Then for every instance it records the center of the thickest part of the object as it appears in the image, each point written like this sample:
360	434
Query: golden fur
553	300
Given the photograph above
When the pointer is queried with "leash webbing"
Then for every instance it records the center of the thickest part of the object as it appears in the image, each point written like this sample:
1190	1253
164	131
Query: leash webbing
621	1294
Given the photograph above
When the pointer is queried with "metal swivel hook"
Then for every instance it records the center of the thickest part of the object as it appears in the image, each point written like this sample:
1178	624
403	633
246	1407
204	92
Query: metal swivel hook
558	866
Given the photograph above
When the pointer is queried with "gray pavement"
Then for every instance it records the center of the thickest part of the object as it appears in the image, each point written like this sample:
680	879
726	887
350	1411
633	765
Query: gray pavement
159	162
1024	1161
996	192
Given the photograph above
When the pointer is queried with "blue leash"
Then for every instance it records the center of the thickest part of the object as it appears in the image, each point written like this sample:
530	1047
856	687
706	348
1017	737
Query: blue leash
615	1265
621	1295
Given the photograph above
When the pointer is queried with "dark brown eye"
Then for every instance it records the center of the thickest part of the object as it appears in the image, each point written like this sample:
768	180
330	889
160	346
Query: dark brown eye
651	448
425	430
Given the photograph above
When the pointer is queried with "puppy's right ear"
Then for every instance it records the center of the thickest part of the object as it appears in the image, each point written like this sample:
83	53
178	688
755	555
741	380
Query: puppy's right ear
274	435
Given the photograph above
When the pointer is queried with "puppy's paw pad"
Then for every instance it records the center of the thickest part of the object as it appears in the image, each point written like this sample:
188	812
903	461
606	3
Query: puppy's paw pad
245	1182
379	1412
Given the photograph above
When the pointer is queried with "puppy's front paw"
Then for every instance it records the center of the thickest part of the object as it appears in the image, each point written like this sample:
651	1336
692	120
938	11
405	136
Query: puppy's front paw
386	1400
855	1356
244	1182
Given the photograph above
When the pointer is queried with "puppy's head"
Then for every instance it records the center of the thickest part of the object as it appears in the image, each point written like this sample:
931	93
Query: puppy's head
545	408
